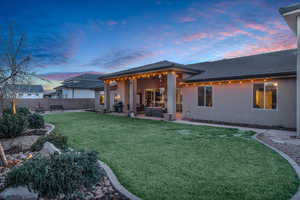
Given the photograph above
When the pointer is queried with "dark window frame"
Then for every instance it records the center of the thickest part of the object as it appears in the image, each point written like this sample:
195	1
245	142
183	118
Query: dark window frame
204	102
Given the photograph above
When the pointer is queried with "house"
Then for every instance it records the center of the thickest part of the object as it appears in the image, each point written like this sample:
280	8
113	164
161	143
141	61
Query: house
291	14
258	90
29	91
50	94
83	86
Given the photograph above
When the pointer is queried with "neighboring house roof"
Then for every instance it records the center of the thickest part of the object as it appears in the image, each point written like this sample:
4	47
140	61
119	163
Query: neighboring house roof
84	81
49	93
271	64
290	8
150	67
85	77
29	88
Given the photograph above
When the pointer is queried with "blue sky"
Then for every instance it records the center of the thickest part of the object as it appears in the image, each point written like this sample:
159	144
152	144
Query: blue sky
68	37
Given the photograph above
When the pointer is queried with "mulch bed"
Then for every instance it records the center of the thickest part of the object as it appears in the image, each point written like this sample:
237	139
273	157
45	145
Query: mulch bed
290	149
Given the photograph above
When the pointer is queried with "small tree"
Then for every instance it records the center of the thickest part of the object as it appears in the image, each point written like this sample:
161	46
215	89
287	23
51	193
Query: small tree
13	69
13	64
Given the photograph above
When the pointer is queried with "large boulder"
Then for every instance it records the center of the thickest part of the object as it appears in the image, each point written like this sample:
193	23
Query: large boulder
18	193
49	148
23	143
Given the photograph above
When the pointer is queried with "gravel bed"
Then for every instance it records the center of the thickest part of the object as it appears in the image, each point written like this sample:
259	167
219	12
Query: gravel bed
101	191
290	149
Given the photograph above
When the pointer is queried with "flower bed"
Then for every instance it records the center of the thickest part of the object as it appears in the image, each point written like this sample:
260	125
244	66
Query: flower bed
31	159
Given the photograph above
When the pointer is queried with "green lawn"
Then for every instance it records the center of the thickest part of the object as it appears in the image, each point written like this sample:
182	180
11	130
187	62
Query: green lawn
167	161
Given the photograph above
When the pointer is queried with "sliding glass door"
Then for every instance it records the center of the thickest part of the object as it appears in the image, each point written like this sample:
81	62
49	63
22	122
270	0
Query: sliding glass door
155	97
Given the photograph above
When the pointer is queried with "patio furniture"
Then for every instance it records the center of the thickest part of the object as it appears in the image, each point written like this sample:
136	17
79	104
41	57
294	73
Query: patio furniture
154	111
140	108
118	107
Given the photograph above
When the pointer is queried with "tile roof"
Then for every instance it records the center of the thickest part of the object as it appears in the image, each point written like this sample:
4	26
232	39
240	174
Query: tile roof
150	67
288	9
261	65
84	81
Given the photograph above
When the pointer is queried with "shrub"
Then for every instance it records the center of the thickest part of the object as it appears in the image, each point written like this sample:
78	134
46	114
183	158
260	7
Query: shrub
58	140
35	121
12	125
22	110
59	174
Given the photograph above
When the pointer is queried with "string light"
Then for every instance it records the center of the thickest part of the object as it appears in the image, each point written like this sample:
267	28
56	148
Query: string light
222	83
182	84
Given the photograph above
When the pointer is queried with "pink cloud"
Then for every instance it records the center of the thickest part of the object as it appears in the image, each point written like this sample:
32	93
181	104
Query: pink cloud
112	22
187	19
262	28
218	35
267	45
234	33
197	36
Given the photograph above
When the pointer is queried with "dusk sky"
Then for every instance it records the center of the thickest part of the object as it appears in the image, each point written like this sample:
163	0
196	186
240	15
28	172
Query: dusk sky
68	37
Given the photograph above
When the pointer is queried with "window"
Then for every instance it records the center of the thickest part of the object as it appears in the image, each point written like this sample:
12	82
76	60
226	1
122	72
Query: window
205	96
117	98
101	98
20	94
37	94
155	97
265	95
29	94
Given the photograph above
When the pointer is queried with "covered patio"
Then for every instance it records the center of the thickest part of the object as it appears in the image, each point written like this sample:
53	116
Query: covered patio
153	90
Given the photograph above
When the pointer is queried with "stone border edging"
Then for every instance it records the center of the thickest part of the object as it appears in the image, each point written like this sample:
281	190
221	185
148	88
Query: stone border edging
115	182
285	156
52	127
110	174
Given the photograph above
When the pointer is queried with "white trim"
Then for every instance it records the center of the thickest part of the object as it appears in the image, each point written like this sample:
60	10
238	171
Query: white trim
291	12
264	108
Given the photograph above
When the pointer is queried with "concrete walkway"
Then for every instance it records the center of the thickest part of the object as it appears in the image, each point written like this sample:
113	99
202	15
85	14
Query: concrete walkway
276	136
221	126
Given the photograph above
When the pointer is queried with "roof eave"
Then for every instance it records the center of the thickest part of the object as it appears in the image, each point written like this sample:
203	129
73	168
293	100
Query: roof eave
172	68
290	15
270	75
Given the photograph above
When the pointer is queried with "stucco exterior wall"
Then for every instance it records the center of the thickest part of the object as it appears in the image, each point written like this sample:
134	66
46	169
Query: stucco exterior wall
78	93
232	103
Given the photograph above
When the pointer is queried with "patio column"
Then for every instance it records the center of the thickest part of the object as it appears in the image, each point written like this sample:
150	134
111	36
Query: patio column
298	78
106	97
97	100
171	90
132	95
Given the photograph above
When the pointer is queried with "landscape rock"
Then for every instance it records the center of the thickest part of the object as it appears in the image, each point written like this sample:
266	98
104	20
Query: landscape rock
22	142
49	148
18	193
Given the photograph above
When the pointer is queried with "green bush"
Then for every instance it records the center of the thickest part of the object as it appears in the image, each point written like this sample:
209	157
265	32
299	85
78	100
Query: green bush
58	140
59	174
35	121
12	125
22	110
